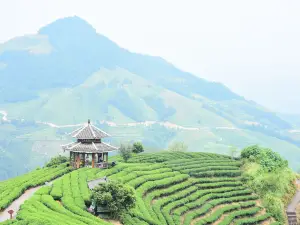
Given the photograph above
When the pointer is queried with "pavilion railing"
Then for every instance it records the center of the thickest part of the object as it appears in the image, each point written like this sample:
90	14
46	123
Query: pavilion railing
97	165
101	165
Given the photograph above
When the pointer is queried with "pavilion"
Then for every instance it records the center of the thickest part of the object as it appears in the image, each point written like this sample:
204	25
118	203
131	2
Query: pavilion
88	144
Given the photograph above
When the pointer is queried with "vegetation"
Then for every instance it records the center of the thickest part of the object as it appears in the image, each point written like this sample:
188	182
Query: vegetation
71	194
114	196
15	187
125	151
170	188
57	160
267	173
269	160
137	147
180	188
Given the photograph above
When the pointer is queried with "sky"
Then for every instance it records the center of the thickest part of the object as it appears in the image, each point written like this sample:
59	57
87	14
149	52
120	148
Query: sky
253	47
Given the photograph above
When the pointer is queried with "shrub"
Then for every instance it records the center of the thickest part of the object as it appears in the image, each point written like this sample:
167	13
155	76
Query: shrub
271	161
125	152
137	147
253	150
55	161
270	177
268	159
115	196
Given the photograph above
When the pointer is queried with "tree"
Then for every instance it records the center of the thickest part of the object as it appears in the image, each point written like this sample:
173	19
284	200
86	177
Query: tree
55	161
251	151
137	147
125	152
178	147
268	159
114	196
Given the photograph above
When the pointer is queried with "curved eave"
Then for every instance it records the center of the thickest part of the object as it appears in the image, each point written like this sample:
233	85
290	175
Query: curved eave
89	147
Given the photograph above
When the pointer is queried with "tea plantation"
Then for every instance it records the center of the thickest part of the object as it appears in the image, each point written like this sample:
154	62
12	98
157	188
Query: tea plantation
170	188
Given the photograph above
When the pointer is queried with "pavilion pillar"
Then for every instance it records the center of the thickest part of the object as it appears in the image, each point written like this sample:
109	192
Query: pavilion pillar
93	160
83	159
100	159
78	161
70	158
106	159
73	159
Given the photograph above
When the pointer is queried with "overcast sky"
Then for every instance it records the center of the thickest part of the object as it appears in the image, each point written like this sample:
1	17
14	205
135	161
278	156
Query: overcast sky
253	47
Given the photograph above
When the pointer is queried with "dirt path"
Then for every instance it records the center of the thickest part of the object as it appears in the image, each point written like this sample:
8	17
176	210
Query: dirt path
15	205
93	183
291	210
293	204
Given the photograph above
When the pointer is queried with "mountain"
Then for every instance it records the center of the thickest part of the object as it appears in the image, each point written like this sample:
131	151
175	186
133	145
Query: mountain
67	73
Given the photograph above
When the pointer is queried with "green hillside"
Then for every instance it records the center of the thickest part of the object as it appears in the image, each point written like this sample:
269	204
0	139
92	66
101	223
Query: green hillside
68	73
170	188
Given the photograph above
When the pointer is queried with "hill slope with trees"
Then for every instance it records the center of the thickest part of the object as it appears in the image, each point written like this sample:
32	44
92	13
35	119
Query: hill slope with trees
169	188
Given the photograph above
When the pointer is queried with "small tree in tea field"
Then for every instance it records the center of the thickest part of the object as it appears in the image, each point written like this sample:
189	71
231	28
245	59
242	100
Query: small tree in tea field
57	160
114	196
137	147
125	152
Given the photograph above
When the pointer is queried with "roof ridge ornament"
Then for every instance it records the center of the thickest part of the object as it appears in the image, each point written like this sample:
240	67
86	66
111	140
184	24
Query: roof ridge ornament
89	132
93	133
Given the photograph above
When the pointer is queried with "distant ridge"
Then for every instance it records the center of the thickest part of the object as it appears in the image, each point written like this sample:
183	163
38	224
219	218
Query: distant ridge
68	72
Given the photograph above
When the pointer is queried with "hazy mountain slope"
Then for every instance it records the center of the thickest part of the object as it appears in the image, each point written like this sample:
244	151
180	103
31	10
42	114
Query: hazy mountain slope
68	73
136	98
70	51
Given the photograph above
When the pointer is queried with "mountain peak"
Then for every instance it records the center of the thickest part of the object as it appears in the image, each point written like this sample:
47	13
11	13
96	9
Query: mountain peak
69	25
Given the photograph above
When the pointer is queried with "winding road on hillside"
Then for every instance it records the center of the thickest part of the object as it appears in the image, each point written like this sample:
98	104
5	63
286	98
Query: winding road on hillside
15	205
168	125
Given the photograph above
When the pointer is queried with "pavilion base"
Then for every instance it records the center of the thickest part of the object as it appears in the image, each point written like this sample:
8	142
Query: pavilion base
80	160
103	165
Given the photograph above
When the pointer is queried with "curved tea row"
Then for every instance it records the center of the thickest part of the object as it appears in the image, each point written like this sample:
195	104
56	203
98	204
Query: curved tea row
171	189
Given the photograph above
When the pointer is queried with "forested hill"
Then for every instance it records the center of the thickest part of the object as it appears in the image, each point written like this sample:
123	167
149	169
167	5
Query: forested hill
169	188
67	73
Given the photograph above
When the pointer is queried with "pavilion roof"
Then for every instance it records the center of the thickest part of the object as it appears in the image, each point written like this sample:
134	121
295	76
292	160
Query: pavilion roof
90	147
89	131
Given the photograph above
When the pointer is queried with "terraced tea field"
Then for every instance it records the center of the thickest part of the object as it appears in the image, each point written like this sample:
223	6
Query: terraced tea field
171	188
15	187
